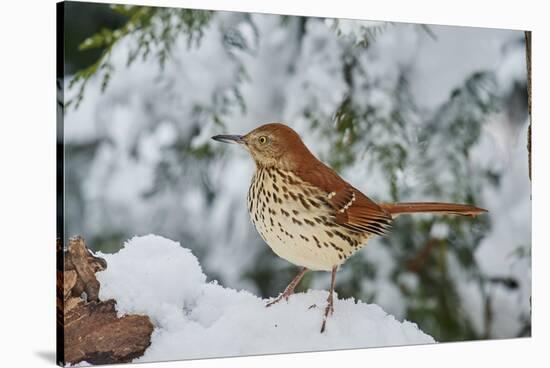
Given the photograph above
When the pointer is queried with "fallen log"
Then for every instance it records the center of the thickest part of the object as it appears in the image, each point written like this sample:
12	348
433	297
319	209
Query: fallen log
88	328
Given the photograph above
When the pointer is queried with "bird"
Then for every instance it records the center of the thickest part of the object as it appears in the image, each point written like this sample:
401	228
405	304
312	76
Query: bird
307	214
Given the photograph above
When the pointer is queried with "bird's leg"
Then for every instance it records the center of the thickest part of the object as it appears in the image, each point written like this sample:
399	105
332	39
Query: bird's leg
330	305
290	288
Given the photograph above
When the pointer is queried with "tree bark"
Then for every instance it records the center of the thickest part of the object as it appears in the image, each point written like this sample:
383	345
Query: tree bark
92	332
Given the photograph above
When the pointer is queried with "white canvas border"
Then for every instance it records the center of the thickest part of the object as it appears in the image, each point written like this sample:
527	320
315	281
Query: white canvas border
27	194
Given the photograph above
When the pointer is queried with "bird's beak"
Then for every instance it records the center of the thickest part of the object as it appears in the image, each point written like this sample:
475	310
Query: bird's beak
229	138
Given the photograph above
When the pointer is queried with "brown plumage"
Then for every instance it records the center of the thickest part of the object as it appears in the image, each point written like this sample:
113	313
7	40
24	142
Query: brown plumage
307	213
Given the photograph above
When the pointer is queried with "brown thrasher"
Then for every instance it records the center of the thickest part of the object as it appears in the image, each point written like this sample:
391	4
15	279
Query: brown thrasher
307	213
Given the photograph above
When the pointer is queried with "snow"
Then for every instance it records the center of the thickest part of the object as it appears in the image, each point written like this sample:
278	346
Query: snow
469	49
356	30
193	318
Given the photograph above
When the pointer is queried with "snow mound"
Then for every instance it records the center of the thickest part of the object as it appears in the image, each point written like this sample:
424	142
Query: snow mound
193	318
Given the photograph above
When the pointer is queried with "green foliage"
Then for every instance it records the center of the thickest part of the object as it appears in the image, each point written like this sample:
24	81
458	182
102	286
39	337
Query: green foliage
154	29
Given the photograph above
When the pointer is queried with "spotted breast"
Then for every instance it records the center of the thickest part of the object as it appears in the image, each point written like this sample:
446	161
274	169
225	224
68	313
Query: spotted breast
296	220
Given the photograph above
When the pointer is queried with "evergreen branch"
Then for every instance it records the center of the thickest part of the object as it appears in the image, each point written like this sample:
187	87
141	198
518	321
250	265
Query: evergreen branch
154	28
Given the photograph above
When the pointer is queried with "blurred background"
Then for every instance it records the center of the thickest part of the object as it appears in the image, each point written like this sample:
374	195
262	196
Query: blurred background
404	112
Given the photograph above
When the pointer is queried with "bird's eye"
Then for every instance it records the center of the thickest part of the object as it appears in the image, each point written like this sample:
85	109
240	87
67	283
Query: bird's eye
263	139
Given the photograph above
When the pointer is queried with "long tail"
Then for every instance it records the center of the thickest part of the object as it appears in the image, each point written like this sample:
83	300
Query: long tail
396	209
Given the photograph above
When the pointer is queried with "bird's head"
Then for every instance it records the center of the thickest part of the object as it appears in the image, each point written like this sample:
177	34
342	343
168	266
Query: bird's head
271	145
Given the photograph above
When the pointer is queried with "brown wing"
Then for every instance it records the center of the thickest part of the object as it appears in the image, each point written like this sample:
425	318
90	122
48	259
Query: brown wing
352	209
361	214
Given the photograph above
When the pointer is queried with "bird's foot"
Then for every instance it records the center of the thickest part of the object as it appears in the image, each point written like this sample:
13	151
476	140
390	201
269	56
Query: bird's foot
329	311
323	325
276	300
289	289
285	295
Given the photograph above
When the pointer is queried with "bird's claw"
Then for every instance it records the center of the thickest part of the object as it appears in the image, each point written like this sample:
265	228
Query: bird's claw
277	300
